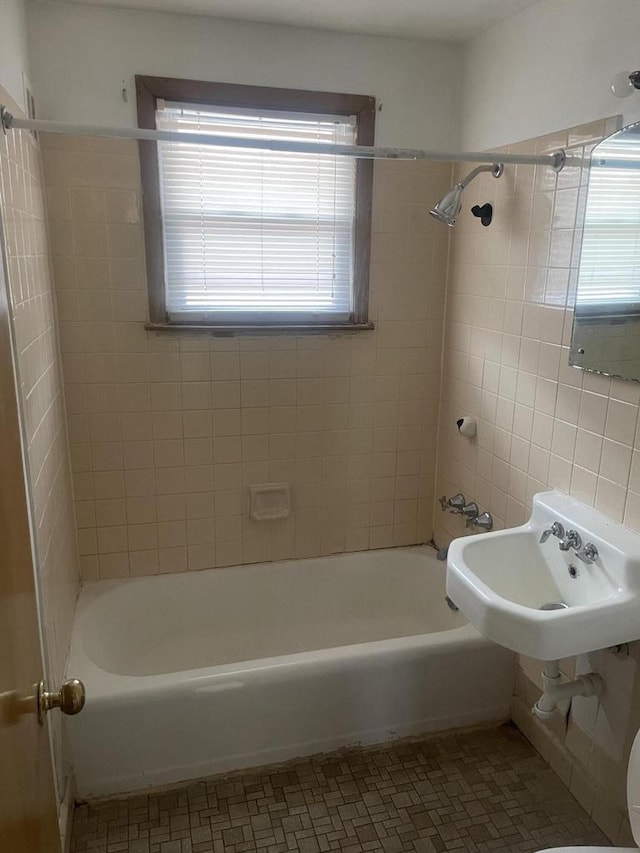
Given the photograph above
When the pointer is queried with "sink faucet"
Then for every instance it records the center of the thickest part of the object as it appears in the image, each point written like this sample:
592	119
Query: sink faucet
588	554
571	540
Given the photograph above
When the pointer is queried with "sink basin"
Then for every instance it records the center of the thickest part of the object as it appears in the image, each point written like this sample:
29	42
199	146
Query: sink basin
540	601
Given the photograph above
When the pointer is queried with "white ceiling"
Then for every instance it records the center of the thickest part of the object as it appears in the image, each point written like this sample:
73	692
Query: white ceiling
439	20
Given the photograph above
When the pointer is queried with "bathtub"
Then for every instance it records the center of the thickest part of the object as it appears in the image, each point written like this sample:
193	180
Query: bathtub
193	674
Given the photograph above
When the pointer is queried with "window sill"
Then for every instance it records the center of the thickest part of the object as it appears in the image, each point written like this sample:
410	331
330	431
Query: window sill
262	329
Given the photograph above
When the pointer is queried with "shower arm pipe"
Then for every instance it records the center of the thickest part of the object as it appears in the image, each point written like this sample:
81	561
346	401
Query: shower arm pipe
496	170
556	161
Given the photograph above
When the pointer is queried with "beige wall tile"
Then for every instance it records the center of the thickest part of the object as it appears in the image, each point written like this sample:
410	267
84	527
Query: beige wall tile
32	300
568	429
211	416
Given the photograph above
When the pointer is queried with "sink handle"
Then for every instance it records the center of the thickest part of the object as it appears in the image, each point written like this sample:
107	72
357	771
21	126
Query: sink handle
589	554
556	529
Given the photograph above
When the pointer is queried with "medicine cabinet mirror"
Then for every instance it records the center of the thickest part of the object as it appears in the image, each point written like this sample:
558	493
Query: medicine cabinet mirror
606	325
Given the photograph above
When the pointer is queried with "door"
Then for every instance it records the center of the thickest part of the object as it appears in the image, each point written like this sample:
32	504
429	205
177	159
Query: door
28	812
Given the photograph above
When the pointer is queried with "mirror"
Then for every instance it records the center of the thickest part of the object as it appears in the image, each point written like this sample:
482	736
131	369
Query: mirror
606	324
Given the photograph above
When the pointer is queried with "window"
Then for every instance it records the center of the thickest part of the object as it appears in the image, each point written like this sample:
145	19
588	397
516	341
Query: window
248	238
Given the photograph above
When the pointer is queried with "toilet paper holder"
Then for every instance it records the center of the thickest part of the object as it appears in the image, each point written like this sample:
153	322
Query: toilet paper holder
467	426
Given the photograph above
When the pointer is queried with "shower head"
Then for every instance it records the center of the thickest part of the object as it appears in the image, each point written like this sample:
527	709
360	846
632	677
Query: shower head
448	208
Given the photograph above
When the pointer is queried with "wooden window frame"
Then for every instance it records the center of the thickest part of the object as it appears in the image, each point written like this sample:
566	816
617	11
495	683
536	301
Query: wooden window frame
150	89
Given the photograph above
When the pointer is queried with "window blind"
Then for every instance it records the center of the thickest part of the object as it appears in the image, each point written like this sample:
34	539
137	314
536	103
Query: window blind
609	277
250	232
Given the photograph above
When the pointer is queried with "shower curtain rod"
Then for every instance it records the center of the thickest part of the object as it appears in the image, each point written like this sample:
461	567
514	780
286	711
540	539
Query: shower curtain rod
557	160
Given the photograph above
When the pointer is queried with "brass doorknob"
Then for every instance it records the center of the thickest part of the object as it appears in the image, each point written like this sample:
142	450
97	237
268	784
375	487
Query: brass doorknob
70	698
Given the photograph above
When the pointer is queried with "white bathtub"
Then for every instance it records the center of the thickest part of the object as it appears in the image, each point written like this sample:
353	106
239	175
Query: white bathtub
193	674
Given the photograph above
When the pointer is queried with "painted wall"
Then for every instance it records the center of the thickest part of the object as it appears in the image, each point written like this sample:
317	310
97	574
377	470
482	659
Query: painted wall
549	68
14	54
82	57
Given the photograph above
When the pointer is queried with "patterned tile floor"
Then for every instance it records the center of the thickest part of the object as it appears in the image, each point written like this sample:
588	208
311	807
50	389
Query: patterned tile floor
476	791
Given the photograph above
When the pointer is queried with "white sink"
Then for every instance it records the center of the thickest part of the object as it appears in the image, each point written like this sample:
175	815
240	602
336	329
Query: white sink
504	582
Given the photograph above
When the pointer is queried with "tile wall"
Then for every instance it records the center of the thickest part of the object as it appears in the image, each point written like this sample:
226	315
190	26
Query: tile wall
32	303
167	432
541	425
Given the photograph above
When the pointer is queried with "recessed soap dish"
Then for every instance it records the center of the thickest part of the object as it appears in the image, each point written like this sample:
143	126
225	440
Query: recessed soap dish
270	501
